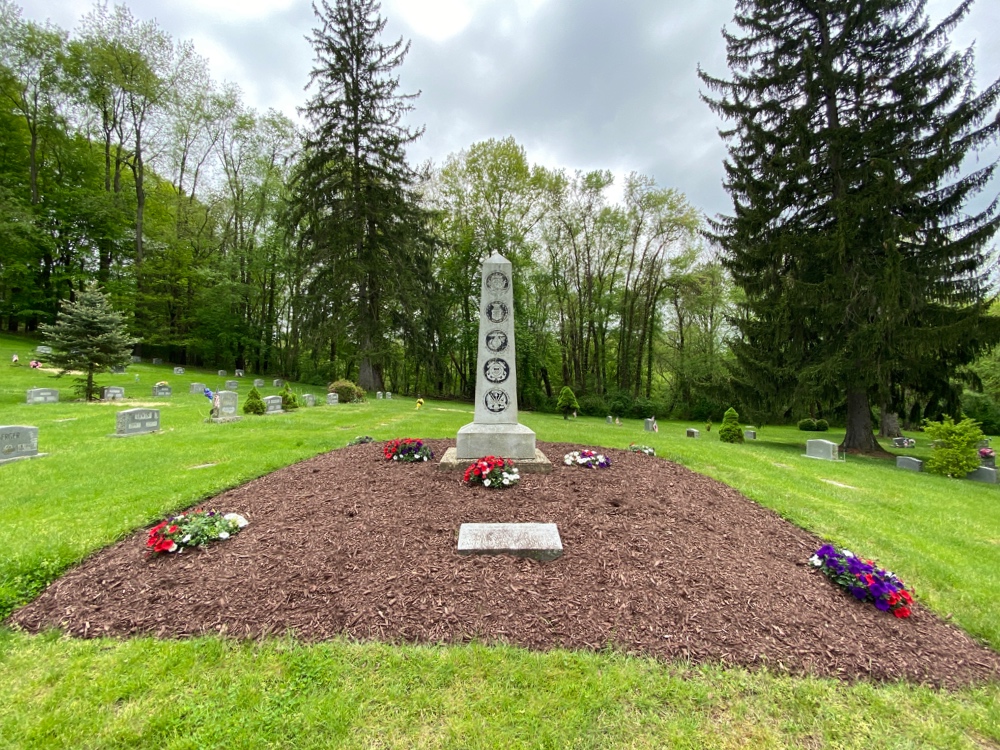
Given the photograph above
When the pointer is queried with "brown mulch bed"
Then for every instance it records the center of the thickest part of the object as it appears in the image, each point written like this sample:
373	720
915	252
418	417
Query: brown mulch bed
657	560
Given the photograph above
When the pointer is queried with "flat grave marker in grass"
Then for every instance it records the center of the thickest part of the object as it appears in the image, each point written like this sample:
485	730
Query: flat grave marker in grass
18	442
136	422
258	383
43	396
178	371
822	449
909	463
691	432
162	391
232	385
539	541
985	474
222	373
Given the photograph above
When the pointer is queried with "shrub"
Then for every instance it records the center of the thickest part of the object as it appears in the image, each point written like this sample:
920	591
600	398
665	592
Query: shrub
822	425
593	405
810	425
731	432
254	403
347	392
289	400
955	446
567	401
982	408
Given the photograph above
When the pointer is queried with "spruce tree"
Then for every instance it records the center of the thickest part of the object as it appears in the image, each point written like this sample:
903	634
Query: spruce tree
89	336
567	402
353	208
848	126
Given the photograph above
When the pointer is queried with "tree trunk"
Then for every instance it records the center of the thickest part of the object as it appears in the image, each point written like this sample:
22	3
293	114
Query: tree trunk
859	435
888	425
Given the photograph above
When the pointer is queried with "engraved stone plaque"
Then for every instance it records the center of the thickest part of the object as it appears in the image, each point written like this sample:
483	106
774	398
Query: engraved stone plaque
137	421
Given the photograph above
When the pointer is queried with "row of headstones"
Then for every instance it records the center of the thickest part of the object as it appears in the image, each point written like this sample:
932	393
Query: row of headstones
387	394
748	432
117	393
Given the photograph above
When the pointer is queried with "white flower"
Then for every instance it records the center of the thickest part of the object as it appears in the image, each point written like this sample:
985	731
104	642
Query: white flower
395	458
237	518
816	561
486	482
506	482
568	460
186	539
172	547
223	535
847	553
425	458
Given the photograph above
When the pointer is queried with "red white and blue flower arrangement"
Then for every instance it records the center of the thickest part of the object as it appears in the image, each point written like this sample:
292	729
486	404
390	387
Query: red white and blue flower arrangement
587	458
193	529
492	471
409	450
862	579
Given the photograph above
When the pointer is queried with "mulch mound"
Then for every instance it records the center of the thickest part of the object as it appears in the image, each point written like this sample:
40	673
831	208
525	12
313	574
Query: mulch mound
657	560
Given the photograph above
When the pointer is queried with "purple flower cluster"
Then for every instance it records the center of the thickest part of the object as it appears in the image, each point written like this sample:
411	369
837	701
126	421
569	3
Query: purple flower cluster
863	579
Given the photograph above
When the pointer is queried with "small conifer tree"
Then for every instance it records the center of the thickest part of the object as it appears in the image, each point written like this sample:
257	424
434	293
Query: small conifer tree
567	401
254	403
289	400
731	432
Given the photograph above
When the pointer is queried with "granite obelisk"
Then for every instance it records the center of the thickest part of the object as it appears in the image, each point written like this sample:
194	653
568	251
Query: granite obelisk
495	430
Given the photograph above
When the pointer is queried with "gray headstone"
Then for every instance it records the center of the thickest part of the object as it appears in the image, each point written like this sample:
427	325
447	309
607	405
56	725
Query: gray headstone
495	429
749	434
18	442
909	463
378	394
198	388
157	361
610	420
43	349
332	398
118	370
222	373
228	403
136	360
232	385
178	371
273	404
239	373
278	383
822	449
649	425
309	399
388	395
162	391
43	396
137	421
258	383
112	393
983	474
537	540
692	433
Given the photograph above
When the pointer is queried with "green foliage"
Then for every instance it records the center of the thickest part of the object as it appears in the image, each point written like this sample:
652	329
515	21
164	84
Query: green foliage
567	402
984	409
592	405
289	400
730	431
822	425
347	392
89	336
955	446
254	403
865	267
813	425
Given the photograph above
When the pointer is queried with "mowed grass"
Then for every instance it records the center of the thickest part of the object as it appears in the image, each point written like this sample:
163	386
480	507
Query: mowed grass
942	536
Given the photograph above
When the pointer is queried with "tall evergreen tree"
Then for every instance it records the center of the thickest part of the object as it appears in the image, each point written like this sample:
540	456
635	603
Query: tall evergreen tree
850	122
353	207
88	336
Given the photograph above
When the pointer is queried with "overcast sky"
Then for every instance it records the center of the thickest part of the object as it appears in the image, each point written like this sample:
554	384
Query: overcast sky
581	84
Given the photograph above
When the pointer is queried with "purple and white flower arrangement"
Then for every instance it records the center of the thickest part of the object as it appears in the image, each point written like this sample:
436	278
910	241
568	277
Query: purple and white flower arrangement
863	579
588	459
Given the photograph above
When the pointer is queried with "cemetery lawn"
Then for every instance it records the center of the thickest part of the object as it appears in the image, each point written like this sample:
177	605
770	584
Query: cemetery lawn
941	536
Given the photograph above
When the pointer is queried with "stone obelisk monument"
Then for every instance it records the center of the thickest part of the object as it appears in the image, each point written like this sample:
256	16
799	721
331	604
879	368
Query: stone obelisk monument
495	430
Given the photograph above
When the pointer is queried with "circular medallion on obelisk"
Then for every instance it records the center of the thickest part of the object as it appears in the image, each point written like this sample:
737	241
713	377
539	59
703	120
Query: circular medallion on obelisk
496	311
497	282
496	370
496	400
496	341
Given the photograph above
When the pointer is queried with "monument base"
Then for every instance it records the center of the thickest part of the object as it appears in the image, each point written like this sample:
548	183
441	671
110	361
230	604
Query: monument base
539	464
476	440
223	420
21	458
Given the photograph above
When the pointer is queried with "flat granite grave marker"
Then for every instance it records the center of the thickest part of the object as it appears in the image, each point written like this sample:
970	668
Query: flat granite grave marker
118	370
43	349
909	463
983	474
232	385
495	429
273	404
157	361
136	422
18	442
239	373
278	383
162	391
749	434
536	540
222	373
178	371
691	432
822	449
332	398
112	393
198	388
308	399
43	396
136	360
258	383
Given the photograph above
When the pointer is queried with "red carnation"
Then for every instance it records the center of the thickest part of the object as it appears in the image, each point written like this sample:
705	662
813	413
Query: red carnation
902	612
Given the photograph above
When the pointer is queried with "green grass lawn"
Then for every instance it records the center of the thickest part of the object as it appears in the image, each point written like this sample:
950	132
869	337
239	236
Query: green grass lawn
942	536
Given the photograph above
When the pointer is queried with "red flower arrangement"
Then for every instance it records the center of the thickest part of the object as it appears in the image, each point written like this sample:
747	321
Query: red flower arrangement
407	449
492	471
